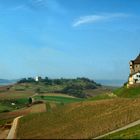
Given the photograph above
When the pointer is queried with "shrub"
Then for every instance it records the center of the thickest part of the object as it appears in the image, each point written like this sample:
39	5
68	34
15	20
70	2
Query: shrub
6	110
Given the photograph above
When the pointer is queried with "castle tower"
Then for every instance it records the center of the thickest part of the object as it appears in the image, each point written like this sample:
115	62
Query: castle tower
134	77
135	65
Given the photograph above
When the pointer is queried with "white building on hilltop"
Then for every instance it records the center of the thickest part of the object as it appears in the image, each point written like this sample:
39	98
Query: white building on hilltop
37	78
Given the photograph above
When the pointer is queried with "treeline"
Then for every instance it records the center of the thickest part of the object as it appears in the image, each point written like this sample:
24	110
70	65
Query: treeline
73	87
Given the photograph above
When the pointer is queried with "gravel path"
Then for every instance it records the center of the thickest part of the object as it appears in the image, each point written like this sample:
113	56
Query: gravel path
117	130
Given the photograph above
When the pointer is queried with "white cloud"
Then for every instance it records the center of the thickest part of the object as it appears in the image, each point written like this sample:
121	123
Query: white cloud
96	18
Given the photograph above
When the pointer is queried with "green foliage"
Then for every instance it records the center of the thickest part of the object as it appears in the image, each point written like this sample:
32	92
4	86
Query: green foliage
28	80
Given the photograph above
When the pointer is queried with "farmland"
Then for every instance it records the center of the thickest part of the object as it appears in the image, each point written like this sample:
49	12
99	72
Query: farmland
58	99
100	111
80	120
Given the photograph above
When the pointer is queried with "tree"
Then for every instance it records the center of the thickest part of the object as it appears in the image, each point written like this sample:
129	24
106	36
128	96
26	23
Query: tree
30	80
23	80
30	100
42	96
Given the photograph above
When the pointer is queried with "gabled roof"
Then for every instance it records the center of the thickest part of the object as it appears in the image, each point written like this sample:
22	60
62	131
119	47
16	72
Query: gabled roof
137	60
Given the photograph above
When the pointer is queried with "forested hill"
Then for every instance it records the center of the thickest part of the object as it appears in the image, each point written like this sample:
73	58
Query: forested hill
75	87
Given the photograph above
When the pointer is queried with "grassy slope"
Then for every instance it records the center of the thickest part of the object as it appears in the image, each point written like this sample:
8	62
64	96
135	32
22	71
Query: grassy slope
133	92
80	120
131	133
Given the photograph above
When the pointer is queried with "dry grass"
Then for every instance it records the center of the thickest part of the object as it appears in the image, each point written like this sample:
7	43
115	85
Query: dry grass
9	116
11	95
80	120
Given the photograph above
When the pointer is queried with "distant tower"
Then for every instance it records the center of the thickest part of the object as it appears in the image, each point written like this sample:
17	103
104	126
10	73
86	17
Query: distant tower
38	78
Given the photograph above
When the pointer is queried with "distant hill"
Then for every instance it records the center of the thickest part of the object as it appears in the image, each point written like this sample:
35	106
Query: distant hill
6	82
78	87
114	83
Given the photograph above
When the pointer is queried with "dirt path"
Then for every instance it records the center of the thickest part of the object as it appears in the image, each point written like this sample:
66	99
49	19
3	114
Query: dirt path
12	132
117	130
33	109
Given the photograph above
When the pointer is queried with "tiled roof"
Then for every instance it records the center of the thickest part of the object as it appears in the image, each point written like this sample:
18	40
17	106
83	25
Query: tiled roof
137	60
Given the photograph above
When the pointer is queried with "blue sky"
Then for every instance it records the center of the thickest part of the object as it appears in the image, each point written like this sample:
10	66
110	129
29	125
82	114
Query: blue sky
68	38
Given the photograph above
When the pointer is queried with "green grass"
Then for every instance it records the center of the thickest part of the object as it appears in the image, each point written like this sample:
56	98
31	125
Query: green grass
59	99
130	133
133	92
5	108
5	105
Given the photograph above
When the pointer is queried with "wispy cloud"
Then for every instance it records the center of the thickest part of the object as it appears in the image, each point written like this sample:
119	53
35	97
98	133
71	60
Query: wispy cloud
97	18
50	5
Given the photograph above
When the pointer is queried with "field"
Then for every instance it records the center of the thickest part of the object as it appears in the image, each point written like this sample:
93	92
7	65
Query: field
131	133
65	116
20	100
58	99
80	120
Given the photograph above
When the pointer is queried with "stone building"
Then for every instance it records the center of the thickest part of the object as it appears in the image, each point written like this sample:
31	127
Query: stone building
134	77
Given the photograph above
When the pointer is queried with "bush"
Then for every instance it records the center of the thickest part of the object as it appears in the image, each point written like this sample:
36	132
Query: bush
24	80
6	110
75	90
30	100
